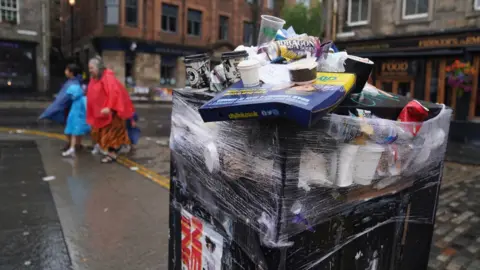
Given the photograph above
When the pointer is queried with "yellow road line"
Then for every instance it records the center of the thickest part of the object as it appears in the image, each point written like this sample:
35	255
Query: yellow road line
155	177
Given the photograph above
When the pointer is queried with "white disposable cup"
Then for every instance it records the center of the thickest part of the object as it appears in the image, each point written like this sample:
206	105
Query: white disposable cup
346	161
366	163
249	72
268	29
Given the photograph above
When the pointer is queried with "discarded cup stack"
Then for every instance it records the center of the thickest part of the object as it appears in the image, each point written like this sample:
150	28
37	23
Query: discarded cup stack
292	146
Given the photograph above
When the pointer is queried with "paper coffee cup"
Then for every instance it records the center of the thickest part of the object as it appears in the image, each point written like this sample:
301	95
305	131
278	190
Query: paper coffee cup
366	163
249	72
198	70
230	61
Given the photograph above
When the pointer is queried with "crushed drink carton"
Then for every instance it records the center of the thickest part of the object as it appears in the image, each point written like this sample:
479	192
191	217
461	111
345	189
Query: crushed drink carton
303	104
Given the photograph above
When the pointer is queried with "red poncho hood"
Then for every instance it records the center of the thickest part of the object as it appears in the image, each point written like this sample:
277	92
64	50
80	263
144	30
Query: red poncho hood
107	92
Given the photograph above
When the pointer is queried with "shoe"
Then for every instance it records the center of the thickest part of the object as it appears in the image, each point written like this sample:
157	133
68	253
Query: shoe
69	153
125	149
96	149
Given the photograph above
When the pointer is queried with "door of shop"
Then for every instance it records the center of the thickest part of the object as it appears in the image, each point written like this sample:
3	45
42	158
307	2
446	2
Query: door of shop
404	87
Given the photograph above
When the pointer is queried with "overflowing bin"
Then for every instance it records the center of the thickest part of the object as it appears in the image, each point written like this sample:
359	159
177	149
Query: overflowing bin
303	176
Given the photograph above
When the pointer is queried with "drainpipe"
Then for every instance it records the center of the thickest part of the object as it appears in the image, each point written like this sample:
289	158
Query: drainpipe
334	19
184	19
45	46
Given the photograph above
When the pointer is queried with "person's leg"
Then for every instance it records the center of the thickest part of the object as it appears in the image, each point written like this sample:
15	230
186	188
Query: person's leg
71	150
67	146
78	145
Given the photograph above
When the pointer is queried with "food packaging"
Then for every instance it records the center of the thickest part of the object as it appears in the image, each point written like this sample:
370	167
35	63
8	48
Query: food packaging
413	114
303	71
294	48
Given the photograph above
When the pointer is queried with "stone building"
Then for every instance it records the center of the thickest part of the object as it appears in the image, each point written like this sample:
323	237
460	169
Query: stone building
144	41
413	44
24	45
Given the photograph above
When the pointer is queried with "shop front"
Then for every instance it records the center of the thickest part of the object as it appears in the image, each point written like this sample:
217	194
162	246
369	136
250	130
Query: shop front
17	66
441	68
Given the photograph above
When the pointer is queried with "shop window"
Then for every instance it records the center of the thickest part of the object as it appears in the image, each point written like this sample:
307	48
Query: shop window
414	9
223	28
111	12
248	33
167	71
434	78
169	18
404	89
476	5
9	11
131	12
194	23
358	12
305	2
271	4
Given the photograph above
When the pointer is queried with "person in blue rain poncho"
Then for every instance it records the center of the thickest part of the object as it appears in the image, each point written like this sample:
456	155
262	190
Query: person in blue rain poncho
76	124
58	111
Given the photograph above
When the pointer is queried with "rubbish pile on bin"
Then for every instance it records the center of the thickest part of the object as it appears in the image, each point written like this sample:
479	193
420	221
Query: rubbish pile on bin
284	156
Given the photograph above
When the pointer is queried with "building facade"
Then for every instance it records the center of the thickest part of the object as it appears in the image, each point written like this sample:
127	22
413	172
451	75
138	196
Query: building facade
24	45
144	41
413	44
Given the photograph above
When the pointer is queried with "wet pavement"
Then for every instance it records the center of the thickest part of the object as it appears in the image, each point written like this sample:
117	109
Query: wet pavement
106	216
104	206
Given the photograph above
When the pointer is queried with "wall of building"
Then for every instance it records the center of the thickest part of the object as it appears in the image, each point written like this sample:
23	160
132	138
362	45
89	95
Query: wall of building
34	26
386	18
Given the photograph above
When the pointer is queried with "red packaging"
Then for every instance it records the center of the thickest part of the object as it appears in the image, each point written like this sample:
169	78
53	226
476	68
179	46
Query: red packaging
414	113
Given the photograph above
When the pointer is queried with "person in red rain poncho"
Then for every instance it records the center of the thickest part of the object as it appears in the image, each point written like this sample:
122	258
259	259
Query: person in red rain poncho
108	108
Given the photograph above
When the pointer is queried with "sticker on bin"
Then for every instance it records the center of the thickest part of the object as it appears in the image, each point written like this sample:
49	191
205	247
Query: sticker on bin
304	104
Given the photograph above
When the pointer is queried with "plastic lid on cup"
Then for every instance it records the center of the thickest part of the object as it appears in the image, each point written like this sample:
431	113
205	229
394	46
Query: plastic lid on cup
195	58
248	64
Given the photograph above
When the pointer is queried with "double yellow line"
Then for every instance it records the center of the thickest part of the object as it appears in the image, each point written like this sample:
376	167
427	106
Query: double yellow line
153	176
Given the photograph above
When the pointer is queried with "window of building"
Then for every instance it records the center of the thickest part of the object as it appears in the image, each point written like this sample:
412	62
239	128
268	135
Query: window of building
305	2
476	5
129	69
271	4
9	11
111	12
247	33
223	28
249	1
131	12
194	23
167	71
414	9
358	12
169	18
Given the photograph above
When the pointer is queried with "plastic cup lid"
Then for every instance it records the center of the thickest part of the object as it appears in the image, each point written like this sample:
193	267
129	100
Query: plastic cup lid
247	64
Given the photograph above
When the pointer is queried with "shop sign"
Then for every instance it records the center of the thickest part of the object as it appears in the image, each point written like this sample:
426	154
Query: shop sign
449	42
397	68
467	39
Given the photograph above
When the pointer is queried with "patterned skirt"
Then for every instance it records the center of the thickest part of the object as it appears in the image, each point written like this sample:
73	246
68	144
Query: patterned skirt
112	136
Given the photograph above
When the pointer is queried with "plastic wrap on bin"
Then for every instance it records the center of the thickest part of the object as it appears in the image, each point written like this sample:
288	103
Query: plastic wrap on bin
281	180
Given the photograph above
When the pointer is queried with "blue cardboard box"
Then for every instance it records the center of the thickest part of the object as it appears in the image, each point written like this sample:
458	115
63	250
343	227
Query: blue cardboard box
304	104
